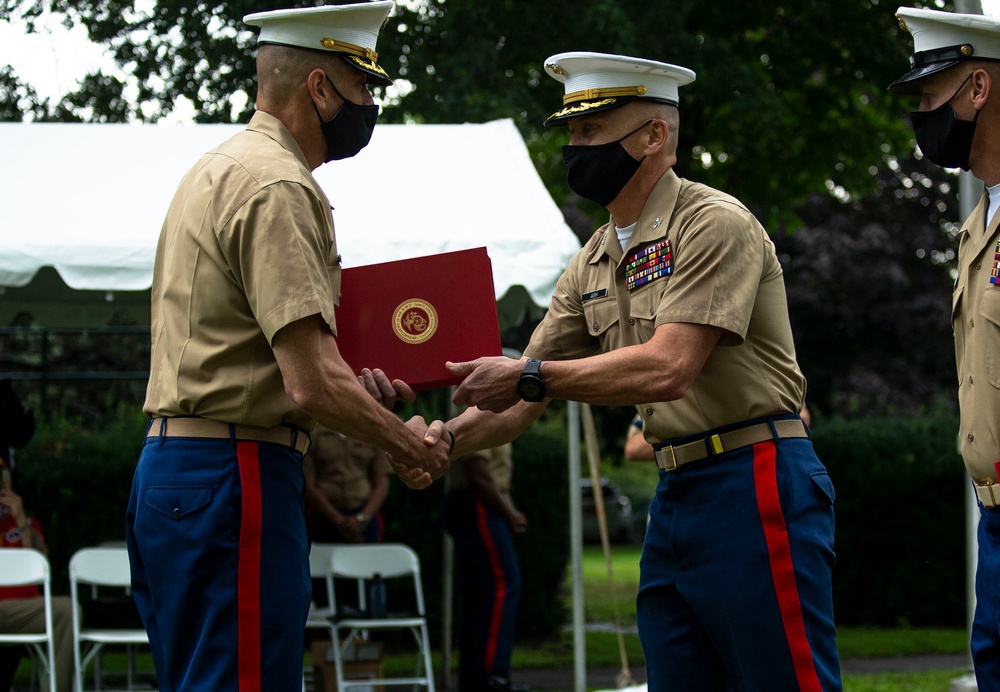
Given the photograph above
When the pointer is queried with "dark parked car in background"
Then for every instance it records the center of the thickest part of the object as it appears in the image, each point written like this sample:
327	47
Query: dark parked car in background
617	509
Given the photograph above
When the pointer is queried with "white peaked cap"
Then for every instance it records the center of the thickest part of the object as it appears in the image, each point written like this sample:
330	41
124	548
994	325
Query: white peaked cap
350	30
597	81
942	40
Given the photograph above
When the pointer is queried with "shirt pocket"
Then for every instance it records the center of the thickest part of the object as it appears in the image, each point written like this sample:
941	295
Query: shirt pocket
989	309
178	501
643	307
601	316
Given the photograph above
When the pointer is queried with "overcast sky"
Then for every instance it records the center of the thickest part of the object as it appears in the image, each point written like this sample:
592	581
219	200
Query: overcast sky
53	60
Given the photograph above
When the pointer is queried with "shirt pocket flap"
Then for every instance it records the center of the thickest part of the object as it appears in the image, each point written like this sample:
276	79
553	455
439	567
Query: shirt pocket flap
644	302
601	315
989	307
177	501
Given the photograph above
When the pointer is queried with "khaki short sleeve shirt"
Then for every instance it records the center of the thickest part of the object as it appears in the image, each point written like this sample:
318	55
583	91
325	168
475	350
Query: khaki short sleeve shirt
247	247
976	321
500	463
713	264
343	467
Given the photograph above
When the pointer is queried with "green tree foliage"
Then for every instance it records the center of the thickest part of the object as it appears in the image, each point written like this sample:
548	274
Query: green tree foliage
18	100
869	293
788	96
789	113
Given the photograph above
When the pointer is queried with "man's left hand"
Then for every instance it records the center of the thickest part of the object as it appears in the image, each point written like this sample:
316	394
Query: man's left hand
383	391
490	383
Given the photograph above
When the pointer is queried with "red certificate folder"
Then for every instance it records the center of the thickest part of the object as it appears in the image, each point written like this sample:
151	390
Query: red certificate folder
410	316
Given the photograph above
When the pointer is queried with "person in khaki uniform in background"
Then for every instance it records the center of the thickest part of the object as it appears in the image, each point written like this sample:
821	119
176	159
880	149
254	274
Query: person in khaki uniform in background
346	484
244	363
677	306
955	68
481	517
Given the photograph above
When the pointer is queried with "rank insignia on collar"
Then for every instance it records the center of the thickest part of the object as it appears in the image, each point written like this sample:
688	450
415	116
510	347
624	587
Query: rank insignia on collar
649	263
995	274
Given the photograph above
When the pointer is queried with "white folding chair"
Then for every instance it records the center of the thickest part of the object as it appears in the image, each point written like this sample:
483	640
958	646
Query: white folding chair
101	567
319	568
27	567
390	561
319	617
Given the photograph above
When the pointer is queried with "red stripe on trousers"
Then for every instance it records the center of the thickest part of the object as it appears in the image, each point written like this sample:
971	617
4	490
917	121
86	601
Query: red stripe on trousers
248	574
782	572
500	593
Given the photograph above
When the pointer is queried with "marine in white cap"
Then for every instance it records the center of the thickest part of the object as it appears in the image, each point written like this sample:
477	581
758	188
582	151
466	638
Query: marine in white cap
331	51
677	306
955	68
244	364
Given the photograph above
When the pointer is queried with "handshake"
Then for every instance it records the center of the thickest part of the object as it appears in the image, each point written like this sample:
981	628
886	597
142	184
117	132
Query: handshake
489	386
431	462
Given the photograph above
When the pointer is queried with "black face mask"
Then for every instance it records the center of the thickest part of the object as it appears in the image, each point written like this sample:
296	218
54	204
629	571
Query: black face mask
350	130
600	172
943	138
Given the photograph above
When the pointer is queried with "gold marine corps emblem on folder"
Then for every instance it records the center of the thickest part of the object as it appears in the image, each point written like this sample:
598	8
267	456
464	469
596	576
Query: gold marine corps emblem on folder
414	321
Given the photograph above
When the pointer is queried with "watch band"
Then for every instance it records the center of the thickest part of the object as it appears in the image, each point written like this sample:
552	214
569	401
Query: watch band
533	367
530	385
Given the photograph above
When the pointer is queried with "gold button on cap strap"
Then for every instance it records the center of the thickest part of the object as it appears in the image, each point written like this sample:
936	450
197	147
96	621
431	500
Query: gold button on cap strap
217	430
670	457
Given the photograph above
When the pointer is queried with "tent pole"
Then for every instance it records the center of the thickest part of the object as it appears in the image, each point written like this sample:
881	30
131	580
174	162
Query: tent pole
576	547
448	584
448	599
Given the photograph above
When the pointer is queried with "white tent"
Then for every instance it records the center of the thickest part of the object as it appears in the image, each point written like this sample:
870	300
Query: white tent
82	205
88	200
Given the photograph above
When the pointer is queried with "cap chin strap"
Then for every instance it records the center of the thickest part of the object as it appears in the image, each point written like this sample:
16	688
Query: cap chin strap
603	92
927	57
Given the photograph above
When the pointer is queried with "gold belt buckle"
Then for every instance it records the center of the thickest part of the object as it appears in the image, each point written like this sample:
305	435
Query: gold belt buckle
673	459
986	488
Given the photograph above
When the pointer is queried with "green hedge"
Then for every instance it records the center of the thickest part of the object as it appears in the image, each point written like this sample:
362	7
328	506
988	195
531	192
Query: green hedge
900	509
900	513
76	477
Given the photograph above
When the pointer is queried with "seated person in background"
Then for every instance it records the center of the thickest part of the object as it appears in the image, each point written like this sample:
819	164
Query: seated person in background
346	482
480	515
22	608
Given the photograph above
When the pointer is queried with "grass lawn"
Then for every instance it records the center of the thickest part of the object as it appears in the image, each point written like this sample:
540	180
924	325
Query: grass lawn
602	646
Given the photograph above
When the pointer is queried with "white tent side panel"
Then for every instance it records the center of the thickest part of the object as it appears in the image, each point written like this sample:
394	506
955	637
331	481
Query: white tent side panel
89	199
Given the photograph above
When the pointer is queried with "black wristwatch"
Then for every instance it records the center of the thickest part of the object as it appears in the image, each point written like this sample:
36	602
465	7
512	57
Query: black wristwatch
531	386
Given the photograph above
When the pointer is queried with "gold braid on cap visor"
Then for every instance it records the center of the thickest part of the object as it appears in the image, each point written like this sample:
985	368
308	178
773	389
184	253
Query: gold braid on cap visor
369	65
606	92
580	107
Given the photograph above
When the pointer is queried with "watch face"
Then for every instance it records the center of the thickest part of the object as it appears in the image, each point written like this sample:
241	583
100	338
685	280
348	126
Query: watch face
530	389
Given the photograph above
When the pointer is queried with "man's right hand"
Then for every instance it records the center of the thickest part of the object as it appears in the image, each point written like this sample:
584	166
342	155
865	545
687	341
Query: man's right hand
429	461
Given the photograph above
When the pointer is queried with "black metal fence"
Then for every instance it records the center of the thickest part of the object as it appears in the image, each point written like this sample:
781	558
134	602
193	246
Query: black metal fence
90	372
